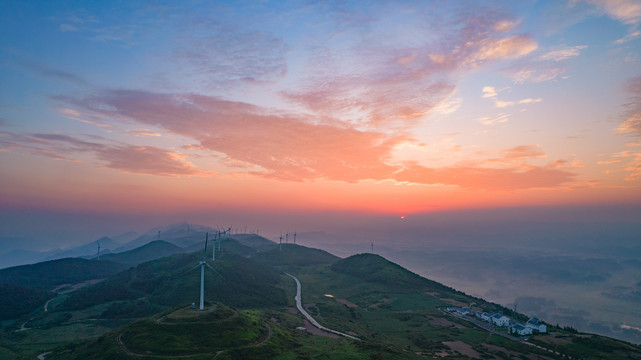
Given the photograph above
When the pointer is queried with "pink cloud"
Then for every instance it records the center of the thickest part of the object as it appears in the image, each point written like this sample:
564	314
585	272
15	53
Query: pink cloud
626	11
631	126
146	160
296	148
561	163
512	47
193	147
137	159
392	82
523	152
633	165
489	92
632	116
143	132
498	119
535	73
286	147
563	53
545	67
628	37
487	178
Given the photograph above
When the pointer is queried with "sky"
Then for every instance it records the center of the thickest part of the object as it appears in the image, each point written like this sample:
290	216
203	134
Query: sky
114	109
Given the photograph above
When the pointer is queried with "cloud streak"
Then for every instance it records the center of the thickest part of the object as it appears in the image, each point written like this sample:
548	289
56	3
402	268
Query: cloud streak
489	92
136	159
632	123
392	82
221	55
626	11
52	73
563	53
296	148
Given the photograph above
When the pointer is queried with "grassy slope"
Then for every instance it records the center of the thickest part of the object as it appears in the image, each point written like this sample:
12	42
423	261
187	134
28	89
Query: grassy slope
49	274
294	255
174	281
395	313
16	300
253	240
150	251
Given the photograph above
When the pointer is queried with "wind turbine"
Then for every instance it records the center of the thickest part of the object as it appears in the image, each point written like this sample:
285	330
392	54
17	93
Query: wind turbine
294	237
226	234
280	248
98	256
202	265
222	233
213	248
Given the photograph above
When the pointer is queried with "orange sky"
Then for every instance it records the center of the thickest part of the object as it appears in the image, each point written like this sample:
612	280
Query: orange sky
371	108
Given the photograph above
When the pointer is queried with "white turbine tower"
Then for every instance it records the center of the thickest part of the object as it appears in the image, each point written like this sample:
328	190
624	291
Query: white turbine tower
280	248
202	265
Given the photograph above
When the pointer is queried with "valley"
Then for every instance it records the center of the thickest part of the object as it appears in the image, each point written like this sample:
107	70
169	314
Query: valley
379	309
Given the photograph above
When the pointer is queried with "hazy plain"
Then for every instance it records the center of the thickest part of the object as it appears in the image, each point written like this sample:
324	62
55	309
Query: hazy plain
580	273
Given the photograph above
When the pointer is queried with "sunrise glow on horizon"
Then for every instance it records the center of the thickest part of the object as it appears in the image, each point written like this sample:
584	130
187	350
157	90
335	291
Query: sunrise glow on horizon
374	107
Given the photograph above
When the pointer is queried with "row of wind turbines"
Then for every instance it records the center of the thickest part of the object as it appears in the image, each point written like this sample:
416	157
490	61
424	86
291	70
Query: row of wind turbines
280	245
218	239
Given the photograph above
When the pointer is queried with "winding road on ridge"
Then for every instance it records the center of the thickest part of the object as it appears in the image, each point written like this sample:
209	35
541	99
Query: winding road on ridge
309	317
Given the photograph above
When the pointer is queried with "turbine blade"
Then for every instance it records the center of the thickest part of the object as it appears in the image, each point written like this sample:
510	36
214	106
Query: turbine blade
194	268
205	251
181	273
214	270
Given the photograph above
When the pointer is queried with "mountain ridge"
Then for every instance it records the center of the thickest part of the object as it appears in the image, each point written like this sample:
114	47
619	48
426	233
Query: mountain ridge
396	313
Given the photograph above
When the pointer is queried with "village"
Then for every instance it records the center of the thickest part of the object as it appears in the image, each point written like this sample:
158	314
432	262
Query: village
532	326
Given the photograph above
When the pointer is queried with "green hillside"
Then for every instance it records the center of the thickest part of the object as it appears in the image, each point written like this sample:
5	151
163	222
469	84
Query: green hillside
219	332
49	274
253	240
16	300
150	251
251	314
295	255
186	240
237	247
375	268
174	281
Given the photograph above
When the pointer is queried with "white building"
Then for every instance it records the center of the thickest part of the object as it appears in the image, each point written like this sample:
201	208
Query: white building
500	320
536	325
485	316
463	311
520	329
